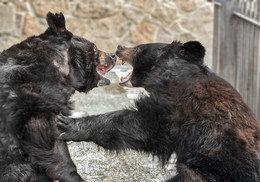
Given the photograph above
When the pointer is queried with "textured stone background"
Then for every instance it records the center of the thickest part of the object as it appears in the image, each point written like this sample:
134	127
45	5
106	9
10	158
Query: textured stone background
108	23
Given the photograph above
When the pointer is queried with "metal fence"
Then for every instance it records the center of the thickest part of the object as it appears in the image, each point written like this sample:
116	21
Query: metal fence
237	47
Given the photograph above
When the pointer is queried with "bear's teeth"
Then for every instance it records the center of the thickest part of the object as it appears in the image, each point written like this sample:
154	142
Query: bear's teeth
105	74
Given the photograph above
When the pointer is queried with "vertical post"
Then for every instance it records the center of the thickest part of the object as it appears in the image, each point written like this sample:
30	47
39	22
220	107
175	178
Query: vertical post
216	37
227	60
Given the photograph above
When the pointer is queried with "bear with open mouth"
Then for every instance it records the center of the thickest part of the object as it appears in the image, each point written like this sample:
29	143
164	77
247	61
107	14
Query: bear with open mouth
190	111
37	78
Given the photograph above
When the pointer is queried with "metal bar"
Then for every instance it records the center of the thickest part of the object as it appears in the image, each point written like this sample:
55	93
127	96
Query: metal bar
217	3
244	62
255	22
216	39
227	42
239	54
250	62
258	72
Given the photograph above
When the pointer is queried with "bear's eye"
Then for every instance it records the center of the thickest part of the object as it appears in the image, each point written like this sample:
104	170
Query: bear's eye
95	49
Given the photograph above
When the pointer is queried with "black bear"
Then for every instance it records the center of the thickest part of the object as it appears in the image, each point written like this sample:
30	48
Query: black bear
190	111
37	78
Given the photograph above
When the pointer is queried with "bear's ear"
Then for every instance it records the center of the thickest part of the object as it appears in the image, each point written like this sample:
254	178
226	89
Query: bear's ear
192	51
56	22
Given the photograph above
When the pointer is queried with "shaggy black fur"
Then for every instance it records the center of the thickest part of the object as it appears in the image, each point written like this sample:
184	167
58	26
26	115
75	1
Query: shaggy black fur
190	111
37	78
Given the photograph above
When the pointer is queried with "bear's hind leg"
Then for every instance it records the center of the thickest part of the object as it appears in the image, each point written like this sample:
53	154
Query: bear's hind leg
46	151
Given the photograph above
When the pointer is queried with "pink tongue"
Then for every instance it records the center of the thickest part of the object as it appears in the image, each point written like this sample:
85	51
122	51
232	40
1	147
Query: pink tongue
105	67
126	78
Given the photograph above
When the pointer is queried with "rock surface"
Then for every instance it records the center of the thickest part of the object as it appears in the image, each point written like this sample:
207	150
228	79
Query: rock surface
111	22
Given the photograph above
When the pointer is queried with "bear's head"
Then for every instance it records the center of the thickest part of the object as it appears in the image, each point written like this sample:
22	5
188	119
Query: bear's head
82	63
48	68
144	57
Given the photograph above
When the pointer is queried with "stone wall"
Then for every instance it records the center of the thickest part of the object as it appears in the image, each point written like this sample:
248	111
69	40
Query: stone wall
108	23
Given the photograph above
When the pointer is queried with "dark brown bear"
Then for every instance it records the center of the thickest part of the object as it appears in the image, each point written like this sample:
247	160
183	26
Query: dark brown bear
37	78
190	111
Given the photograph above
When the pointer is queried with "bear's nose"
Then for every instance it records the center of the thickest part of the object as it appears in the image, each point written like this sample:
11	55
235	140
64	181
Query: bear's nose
113	56
120	47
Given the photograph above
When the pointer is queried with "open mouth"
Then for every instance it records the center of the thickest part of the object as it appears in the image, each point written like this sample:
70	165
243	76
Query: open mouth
102	71
124	79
